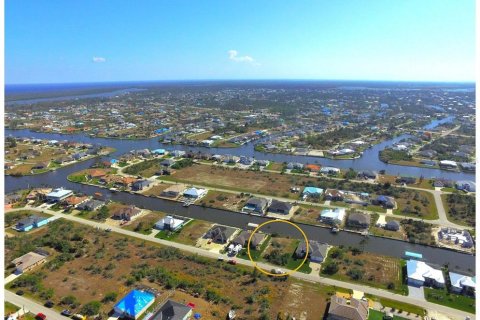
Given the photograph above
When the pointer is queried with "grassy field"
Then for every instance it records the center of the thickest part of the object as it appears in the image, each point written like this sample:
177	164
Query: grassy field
110	262
441	296
188	234
145	223
378	315
419	204
398	305
156	190
10	308
365	268
460	208
224	200
11	218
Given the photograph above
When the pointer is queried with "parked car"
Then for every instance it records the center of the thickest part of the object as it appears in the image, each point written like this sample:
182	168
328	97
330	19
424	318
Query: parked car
66	313
20	292
49	304
40	316
231	261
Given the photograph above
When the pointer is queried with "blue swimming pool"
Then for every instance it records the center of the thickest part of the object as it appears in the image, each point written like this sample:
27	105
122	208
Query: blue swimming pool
134	303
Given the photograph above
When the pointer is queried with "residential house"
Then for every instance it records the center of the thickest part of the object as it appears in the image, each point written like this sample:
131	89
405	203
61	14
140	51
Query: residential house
343	309
91	205
421	274
392	225
294	165
330	170
248	161
41	165
456	236
194	193
280	207
220	234
74	200
448	164
406	180
172	310
468	166
312	167
31	222
125	213
385	201
178	153
332	216
316	251
96	174
58	194
460	283
334	195
255	205
173	191
140	185
167	162
169	223
39	194
263	163
367	174
255	242
28	261
465	185
358	220
312	192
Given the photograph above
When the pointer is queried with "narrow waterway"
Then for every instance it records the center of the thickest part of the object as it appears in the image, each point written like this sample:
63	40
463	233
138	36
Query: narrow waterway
368	161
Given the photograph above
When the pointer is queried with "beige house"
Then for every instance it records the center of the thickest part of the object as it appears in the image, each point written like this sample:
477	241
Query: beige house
28	261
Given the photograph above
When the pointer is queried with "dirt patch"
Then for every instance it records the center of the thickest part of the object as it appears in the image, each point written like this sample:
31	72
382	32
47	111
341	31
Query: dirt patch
224	200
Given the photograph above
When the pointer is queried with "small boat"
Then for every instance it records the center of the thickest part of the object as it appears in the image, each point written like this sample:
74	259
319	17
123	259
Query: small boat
232	314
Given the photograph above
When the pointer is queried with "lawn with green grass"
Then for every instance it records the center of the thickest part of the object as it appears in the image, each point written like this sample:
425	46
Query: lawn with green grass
443	297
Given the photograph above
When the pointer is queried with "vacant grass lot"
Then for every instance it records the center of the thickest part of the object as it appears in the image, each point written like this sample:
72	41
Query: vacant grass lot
365	268
188	234
460	208
419	204
224	200
145	223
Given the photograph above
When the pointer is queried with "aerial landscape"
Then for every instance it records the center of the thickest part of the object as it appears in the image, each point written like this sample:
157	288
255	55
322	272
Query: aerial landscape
155	182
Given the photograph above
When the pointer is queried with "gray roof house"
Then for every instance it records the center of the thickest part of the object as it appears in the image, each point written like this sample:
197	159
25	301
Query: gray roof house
220	234
140	184
392	225
316	251
172	310
342	309
280	207
358	220
90	205
255	205
243	237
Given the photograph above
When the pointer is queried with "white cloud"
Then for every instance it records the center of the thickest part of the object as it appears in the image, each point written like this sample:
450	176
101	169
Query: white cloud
98	59
233	55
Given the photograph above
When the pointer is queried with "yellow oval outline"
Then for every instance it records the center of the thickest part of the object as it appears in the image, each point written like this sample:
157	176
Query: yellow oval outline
290	271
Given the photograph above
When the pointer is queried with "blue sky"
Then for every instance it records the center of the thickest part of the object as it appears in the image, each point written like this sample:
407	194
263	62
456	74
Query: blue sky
49	41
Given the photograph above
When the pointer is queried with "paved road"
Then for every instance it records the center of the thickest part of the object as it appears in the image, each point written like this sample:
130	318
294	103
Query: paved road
453	313
32	306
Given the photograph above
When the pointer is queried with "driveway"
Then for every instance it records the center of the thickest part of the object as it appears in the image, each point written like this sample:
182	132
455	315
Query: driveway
416	293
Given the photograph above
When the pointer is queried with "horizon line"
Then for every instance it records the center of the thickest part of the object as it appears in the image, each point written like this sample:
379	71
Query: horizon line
247	80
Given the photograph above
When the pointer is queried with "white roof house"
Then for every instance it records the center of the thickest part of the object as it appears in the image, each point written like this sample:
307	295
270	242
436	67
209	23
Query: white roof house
169	223
336	215
419	273
448	163
194	193
59	194
460	282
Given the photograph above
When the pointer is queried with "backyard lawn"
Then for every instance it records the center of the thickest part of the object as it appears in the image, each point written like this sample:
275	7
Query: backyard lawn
443	297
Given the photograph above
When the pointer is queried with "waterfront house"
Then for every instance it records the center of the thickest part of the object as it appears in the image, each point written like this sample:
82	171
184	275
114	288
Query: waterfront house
316	251
220	234
255	242
343	309
456	236
248	161
332	216
330	170
421	274
448	164
169	223
367	174
58	194
255	205
194	193
392	225
294	165
173	191
358	220
125	213
460	283
167	162
140	185
90	205
280	207
465	185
